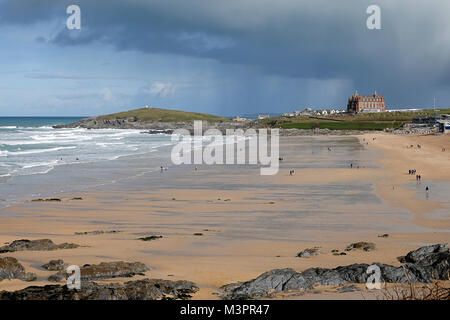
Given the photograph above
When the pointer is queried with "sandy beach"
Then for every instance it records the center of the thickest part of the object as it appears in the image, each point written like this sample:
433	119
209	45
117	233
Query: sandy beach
223	224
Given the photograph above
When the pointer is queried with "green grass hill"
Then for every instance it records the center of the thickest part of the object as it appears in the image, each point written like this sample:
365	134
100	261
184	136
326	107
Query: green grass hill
163	115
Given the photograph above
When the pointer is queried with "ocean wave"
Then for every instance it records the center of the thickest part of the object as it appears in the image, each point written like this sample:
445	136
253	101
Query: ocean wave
8	127
14	153
106	144
46	138
39	164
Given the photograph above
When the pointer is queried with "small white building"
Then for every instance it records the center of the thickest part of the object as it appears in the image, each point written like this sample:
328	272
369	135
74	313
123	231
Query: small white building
444	126
239	119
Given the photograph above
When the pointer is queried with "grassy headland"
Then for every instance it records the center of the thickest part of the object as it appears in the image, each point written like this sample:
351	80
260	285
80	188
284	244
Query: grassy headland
363	121
162	115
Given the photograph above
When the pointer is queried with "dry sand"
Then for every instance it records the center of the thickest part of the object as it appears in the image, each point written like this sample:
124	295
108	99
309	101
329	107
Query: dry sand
249	223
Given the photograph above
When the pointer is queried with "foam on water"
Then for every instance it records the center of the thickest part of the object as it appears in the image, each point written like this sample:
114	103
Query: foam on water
30	147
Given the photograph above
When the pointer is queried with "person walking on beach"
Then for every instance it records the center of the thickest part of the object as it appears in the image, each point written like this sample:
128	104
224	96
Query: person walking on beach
162	169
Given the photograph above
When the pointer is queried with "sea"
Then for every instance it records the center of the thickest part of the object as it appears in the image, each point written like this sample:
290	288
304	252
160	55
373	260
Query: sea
37	160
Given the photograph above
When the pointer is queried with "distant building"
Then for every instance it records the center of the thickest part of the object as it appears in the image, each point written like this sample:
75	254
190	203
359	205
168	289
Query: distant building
239	119
263	116
372	103
444	126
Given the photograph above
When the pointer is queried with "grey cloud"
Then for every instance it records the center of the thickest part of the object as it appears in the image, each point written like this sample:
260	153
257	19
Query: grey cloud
67	76
291	38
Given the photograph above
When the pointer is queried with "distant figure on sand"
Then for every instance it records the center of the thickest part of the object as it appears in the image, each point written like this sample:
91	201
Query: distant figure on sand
162	169
291	172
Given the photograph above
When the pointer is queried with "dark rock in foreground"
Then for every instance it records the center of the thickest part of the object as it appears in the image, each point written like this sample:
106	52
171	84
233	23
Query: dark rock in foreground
35	245
422	266
10	268
105	270
146	289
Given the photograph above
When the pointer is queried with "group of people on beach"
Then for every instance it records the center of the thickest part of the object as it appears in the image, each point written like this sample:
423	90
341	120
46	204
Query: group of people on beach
414	171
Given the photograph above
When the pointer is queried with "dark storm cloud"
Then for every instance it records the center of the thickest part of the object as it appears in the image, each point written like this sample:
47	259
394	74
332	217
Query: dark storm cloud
301	39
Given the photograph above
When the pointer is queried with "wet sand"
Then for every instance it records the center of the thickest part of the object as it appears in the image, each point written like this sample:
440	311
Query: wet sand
252	223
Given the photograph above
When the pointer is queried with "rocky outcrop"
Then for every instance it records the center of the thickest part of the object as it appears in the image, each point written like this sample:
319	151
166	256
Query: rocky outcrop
422	266
35	245
54	265
150	238
152	127
46	200
96	232
146	289
155	127
366	246
10	268
161	131
308	252
105	270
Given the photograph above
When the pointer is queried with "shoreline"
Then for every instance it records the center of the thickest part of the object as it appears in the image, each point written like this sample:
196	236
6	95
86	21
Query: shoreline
224	254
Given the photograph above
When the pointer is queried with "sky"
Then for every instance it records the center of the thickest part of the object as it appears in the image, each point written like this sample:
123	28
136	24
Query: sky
228	57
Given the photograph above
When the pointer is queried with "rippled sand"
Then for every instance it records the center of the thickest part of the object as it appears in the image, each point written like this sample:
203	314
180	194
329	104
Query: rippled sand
251	223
